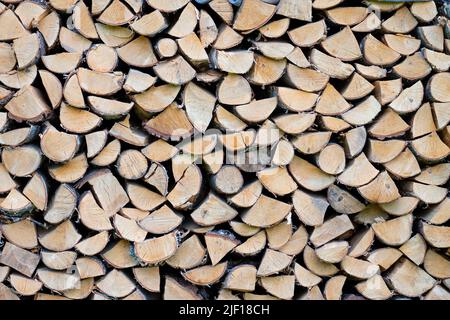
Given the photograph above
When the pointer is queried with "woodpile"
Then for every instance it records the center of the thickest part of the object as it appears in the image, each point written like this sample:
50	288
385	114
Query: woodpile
254	149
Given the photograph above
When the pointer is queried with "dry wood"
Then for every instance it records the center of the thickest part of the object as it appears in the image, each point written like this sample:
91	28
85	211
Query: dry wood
255	149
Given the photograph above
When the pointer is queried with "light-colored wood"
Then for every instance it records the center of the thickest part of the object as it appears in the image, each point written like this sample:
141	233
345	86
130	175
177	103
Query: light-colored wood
394	232
156	249
224	149
405	271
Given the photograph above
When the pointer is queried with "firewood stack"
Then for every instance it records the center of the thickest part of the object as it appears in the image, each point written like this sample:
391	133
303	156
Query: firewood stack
290	149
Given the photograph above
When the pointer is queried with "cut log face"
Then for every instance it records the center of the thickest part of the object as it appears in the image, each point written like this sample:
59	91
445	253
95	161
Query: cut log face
19	259
402	226
401	276
224	149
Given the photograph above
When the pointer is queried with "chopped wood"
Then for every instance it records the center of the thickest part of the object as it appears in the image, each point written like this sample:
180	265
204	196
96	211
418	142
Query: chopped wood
215	149
19	259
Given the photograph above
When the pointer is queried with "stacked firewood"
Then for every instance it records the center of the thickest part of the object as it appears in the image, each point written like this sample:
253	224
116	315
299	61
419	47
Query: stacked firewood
255	149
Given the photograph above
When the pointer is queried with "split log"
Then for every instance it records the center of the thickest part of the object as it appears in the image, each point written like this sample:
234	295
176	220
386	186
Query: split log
215	149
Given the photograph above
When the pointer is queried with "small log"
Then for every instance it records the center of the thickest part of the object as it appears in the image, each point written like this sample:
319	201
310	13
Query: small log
213	211
351	176
394	232
49	27
72	41
161	221
413	68
309	176
404	44
58	260
72	92
402	273
114	36
148	278
53	87
102	58
157	176
132	164
173	290
189	254
129	133
432	37
115	284
252	245
427	193
377	53
359	269
439	61
404	165
227	38
371	72
347	16
248	195
138	82
90	267
108	154
36	191
401	206
16	204
62	63
342	201
19	259
309	34
253	14
28	105
23	285
279	286
357	87
142	197
333	287
402	21
22	234
98	83
241	278
384	257
381	190
333	252
79	121
156	250
138	53
437	87
21	161
128	229
331	66
58	146
374	288
275	29
316	265
415	249
388	125
437	236
330	230
436	264
160	96
371	23
159	151
437	214
363	113
82	21
61	238
305	79
206	275
424	12
94	244
118	255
